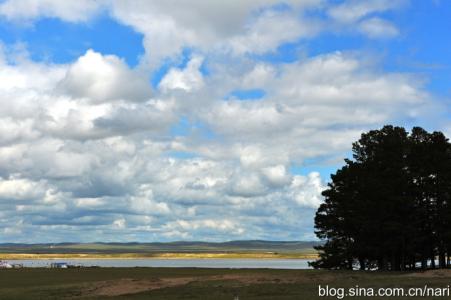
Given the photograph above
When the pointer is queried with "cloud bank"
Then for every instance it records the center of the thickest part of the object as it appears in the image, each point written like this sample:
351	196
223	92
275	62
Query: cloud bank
91	151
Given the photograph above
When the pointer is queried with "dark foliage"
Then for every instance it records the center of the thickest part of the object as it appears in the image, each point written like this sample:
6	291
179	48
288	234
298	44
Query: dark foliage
389	208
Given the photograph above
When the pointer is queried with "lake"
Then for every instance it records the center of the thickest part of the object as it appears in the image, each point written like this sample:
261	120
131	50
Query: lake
174	263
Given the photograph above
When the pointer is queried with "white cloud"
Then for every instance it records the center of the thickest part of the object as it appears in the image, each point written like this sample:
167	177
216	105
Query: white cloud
111	164
120	223
353	10
21	189
184	227
152	116
361	16
378	28
73	11
29	77
306	191
87	143
102	78
305	101
255	26
247	185
89	202
259	76
12	130
338	78
251	156
144	202
277	176
187	79
168	26
269	30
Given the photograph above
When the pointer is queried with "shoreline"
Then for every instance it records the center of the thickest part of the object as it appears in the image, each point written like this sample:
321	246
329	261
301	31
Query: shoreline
43	256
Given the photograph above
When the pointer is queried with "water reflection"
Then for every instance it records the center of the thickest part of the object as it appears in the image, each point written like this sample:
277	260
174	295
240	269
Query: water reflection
175	263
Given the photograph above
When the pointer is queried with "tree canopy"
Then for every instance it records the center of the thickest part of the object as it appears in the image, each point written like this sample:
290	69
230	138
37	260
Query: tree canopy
389	207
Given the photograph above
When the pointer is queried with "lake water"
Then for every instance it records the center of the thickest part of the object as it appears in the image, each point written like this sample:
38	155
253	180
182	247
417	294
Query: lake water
174	263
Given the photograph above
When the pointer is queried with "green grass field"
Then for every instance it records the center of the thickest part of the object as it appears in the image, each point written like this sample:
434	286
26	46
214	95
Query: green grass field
217	284
172	250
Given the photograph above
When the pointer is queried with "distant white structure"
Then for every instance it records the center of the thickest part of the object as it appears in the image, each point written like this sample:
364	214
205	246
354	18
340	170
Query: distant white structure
5	265
59	265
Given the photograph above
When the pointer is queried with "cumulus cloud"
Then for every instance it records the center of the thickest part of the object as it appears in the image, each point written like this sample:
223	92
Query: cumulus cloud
153	116
247	185
173	25
182	228
21	189
306	190
267	31
143	202
110	166
277	175
29	77
339	78
258	76
305	101
102	78
88	144
256	26
187	79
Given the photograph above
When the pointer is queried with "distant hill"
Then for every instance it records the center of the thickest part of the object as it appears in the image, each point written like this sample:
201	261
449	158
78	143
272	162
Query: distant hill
176	247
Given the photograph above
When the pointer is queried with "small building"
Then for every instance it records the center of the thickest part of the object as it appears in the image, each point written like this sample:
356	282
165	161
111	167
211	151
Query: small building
59	265
5	265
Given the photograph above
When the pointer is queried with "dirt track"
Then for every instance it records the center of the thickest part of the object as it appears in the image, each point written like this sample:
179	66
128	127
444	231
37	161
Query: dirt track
133	286
431	273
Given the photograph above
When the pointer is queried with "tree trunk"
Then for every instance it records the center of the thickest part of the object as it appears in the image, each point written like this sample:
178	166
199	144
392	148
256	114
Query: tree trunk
350	260
380	264
424	261
385	263
403	262
362	263
442	259
425	257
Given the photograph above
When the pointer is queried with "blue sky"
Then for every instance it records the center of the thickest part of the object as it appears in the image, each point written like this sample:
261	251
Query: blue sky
147	121
56	41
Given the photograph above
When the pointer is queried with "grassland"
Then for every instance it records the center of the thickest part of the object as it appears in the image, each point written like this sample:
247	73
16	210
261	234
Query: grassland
173	250
217	284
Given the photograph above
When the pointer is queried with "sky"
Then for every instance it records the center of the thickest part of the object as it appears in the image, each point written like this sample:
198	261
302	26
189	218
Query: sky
201	120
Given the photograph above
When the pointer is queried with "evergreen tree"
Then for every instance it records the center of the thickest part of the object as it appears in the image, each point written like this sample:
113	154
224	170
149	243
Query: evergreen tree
390	206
